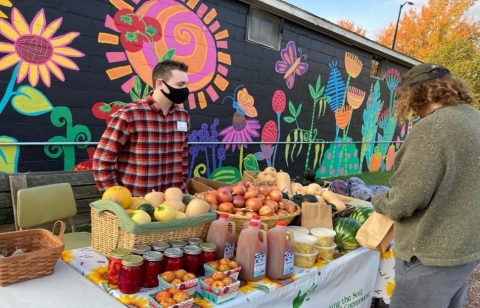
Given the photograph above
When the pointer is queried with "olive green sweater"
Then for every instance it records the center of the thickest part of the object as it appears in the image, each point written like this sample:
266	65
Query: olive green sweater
435	191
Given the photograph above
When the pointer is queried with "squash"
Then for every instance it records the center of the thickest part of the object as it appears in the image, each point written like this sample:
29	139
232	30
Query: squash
305	182
320	181
309	174
136	202
262	175
197	207
330	196
155	198
309	198
118	194
180	214
270	170
295	187
282	181
147	208
314	189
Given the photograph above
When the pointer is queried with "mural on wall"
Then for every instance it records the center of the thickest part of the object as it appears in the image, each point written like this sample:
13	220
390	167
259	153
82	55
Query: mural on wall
290	64
33	51
6	3
157	30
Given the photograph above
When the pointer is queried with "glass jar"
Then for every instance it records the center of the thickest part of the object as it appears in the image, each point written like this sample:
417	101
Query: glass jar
140	249
192	259
194	241
209	254
131	274
115	263
152	267
178	244
173	259
160	246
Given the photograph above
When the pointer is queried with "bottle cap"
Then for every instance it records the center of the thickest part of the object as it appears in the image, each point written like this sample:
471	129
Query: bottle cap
281	224
255	217
253	224
224	216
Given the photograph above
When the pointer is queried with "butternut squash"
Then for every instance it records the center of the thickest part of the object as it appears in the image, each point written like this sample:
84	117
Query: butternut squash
330	196
155	198
173	194
282	181
295	187
136	202
314	189
197	207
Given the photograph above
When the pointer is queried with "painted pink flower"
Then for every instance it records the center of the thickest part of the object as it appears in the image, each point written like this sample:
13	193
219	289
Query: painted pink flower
242	130
279	100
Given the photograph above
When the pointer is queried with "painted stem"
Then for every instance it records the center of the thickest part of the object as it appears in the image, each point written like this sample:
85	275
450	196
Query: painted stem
240	165
311	134
278	139
9	90
191	166
214	158
207	161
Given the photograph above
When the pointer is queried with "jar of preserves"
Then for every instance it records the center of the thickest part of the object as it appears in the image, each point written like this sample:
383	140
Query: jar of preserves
194	241
115	263
192	259
173	259
160	246
131	274
152	267
140	249
178	244
209	254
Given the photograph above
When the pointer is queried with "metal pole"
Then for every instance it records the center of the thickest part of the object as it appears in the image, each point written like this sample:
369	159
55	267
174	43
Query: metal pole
398	21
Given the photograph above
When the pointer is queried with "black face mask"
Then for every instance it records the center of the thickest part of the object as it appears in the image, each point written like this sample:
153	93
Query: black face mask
176	96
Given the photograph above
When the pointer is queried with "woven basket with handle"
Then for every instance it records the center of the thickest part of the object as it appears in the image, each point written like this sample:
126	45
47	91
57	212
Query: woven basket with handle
250	177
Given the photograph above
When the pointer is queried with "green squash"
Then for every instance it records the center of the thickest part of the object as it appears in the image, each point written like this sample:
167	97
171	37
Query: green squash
147	208
309	174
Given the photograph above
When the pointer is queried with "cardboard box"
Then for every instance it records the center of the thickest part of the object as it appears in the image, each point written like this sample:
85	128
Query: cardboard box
199	184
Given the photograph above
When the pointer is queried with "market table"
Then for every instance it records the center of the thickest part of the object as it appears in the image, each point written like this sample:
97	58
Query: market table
348	281
64	288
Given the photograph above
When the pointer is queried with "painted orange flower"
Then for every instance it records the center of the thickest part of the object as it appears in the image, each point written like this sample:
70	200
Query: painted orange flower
388	254
389	287
67	256
98	275
35	49
6	3
134	301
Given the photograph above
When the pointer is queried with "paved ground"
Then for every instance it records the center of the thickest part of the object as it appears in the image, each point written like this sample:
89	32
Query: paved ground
473	300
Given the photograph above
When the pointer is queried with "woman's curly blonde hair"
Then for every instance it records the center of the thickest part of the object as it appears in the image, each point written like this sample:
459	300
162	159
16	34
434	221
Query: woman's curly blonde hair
449	90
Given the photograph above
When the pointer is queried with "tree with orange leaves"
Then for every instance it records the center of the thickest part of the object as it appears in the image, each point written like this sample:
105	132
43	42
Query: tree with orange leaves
349	25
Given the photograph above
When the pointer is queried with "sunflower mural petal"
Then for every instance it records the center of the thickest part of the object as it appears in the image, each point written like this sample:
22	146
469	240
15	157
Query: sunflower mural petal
2	15
23	71
33	75
67	51
65	62
134	301
63	40
7	30
6	3
38	23
45	74
56	70
20	23
7	47
31	102
52	28
8	61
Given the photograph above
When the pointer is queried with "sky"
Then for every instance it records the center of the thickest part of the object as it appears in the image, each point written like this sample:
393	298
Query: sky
372	15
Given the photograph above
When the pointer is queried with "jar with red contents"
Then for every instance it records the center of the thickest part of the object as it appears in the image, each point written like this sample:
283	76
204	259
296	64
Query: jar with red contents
131	274
178	244
209	254
194	241
140	249
192	259
115	263
152	267
160	246
173	259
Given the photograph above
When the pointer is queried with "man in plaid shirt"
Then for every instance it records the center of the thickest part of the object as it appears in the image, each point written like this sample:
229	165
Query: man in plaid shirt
144	146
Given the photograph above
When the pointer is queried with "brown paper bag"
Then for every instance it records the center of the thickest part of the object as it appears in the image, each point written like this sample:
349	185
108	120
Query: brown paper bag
376	233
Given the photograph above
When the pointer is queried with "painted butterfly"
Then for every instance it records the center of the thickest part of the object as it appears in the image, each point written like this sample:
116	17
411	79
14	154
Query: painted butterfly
243	103
291	65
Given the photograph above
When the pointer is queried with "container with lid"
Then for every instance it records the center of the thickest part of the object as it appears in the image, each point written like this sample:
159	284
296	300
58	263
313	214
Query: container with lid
324	236
152	267
194	241
298	229
209	254
192	259
304	243
140	249
160	246
178	244
131	274
173	259
115	263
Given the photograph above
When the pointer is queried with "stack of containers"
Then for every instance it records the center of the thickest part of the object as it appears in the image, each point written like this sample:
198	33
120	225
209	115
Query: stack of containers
305	252
324	245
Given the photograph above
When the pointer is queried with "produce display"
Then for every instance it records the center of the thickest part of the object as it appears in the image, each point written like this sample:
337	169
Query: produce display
361	214
171	297
346	229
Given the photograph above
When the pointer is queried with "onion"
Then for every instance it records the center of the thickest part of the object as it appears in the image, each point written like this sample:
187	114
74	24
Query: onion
271	203
276	195
242	183
254	204
291	208
251	194
238	201
225	188
264	190
282	212
224	196
265	211
282	204
261	197
211	198
214	206
200	195
239	190
226	207
250	214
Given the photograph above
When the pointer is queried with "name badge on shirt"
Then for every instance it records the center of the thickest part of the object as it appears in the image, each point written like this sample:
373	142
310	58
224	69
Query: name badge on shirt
182	126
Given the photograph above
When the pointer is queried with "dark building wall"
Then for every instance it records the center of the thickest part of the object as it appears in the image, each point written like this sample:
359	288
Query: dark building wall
58	83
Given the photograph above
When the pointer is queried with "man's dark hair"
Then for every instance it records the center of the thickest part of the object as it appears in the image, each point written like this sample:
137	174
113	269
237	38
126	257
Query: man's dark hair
163	70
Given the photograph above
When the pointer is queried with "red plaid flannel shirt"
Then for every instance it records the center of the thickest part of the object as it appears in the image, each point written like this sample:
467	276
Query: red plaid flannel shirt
142	149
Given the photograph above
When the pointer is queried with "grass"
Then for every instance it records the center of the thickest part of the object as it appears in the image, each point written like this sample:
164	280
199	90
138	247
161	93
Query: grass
370	178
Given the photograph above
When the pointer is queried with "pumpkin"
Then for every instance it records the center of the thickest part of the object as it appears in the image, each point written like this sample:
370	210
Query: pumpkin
197	207
136	202
155	198
118	194
282	181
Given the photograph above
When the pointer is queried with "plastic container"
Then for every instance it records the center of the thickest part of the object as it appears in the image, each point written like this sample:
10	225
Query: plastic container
152	267
304	243
115	264
324	236
131	274
255	218
305	260
252	253
297	229
281	249
219	235
326	253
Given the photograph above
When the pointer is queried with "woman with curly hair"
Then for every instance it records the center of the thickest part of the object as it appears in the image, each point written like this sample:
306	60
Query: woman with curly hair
434	198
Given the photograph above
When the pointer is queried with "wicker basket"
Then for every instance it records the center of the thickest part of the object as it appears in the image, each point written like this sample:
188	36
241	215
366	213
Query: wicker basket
107	234
42	252
250	177
269	221
344	213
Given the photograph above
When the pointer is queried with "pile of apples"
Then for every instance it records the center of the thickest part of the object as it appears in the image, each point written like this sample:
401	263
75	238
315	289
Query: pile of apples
246	199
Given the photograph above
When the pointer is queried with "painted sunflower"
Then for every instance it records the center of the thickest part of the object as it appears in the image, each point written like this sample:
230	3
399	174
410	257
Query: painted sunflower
388	254
67	256
35	49
134	301
259	285
6	3
389	287
98	275
321	263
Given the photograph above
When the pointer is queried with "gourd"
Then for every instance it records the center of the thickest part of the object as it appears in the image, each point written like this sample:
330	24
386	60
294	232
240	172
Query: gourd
118	194
136	202
197	207
270	170
332	198
309	174
173	197
314	189
155	198
295	187
147	208
282	181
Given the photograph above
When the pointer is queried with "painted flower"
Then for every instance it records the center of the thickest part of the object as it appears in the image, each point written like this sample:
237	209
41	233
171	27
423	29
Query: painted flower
134	301
355	97
388	254
353	64
242	130
6	3
260	285
393	78
389	287
98	275
35	48
321	263
67	256
279	100
269	133
202	302
135	30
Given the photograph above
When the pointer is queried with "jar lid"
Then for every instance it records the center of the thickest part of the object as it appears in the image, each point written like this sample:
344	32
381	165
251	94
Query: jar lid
132	260
120	252
160	246
194	241
178	243
141	249
192	250
173	252
208	247
153	256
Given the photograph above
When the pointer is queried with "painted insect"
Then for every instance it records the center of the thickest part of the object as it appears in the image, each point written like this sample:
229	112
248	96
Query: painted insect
243	103
290	64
